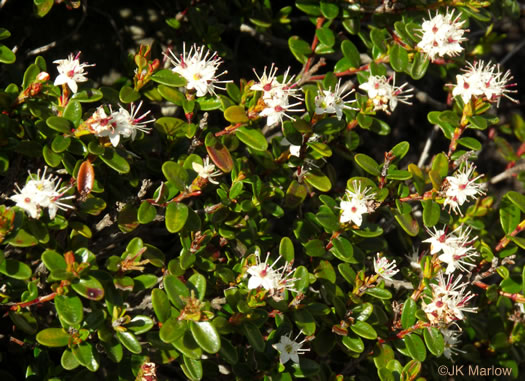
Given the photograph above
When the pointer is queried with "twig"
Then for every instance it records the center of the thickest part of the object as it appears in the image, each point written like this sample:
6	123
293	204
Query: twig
404	332
505	240
40	299
507	173
426	148
516	49
318	25
514	297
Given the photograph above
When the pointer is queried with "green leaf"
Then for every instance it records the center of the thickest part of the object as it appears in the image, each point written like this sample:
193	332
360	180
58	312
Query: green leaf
400	150
325	36
175	289
411	370
171	95
73	112
169	78
367	163
408	223
353	343
419	66
434	341
309	7
325	271
68	360
15	269
343	250
286	249
53	337
315	248
197	282
175	174
22	239
398	58
509	216
329	10
440	164
146	213
301	277
470	143
172	329
161	305
228	352
517	199
236	114
6	55
192	368
379	293
253	334
295	194
89	287
52	159
351	53
431	213
59	124
85	355
176	216
60	143
140	324
113	160
327	219
415	347
42	7
318	180
88	96
187	346
408	316
304	321
206	336
69	309
4	33
299	48
129	340
128	95
252	137
364	329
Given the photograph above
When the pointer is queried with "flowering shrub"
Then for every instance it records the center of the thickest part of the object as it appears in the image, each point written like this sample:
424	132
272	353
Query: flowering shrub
185	222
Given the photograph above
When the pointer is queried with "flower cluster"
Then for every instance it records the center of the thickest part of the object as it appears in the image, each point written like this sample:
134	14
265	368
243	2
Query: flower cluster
42	192
456	248
449	301
333	102
117	124
357	203
442	35
385	95
276	95
483	80
384	268
290	349
199	67
71	71
265	276
461	187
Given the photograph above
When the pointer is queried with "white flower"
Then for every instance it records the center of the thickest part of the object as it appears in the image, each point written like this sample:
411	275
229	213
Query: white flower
451	339
385	96
276	96
199	68
207	170
449	301
295	150
461	187
442	35
328	102
290	349
128	123
456	248
414	259
71	71
486	80
103	125
384	268
265	276
41	192
356	204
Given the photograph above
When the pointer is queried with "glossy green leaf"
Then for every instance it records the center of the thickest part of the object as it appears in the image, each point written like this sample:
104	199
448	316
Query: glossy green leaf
89	287
88	96
408	316
228	352
343	250
187	345
351	53
176	216
431	213
161	305
286	249
172	329
53	337
70	309
398	58
299	48
367	163
175	174
168	78
146	213
325	36
408	223
59	124
6	55
325	270
419	66
175	289
364	329
415	347
304	321
130	341
128	95
236	114
206	336
253	138
113	160
509	216
434	341
353	343
411	370
86	356
517	199
301	278
192	368
73	112
68	360
15	269
318	180
253	334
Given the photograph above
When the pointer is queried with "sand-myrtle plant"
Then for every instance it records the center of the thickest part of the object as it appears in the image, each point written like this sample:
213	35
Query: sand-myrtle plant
327	190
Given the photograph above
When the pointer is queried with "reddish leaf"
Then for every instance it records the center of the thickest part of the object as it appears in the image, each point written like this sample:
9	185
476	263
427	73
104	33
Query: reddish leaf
85	178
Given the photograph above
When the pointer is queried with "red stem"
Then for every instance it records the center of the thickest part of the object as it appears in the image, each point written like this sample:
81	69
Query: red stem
40	299
320	21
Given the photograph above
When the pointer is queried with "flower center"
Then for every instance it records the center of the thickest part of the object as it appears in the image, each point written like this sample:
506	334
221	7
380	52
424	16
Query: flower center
288	348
